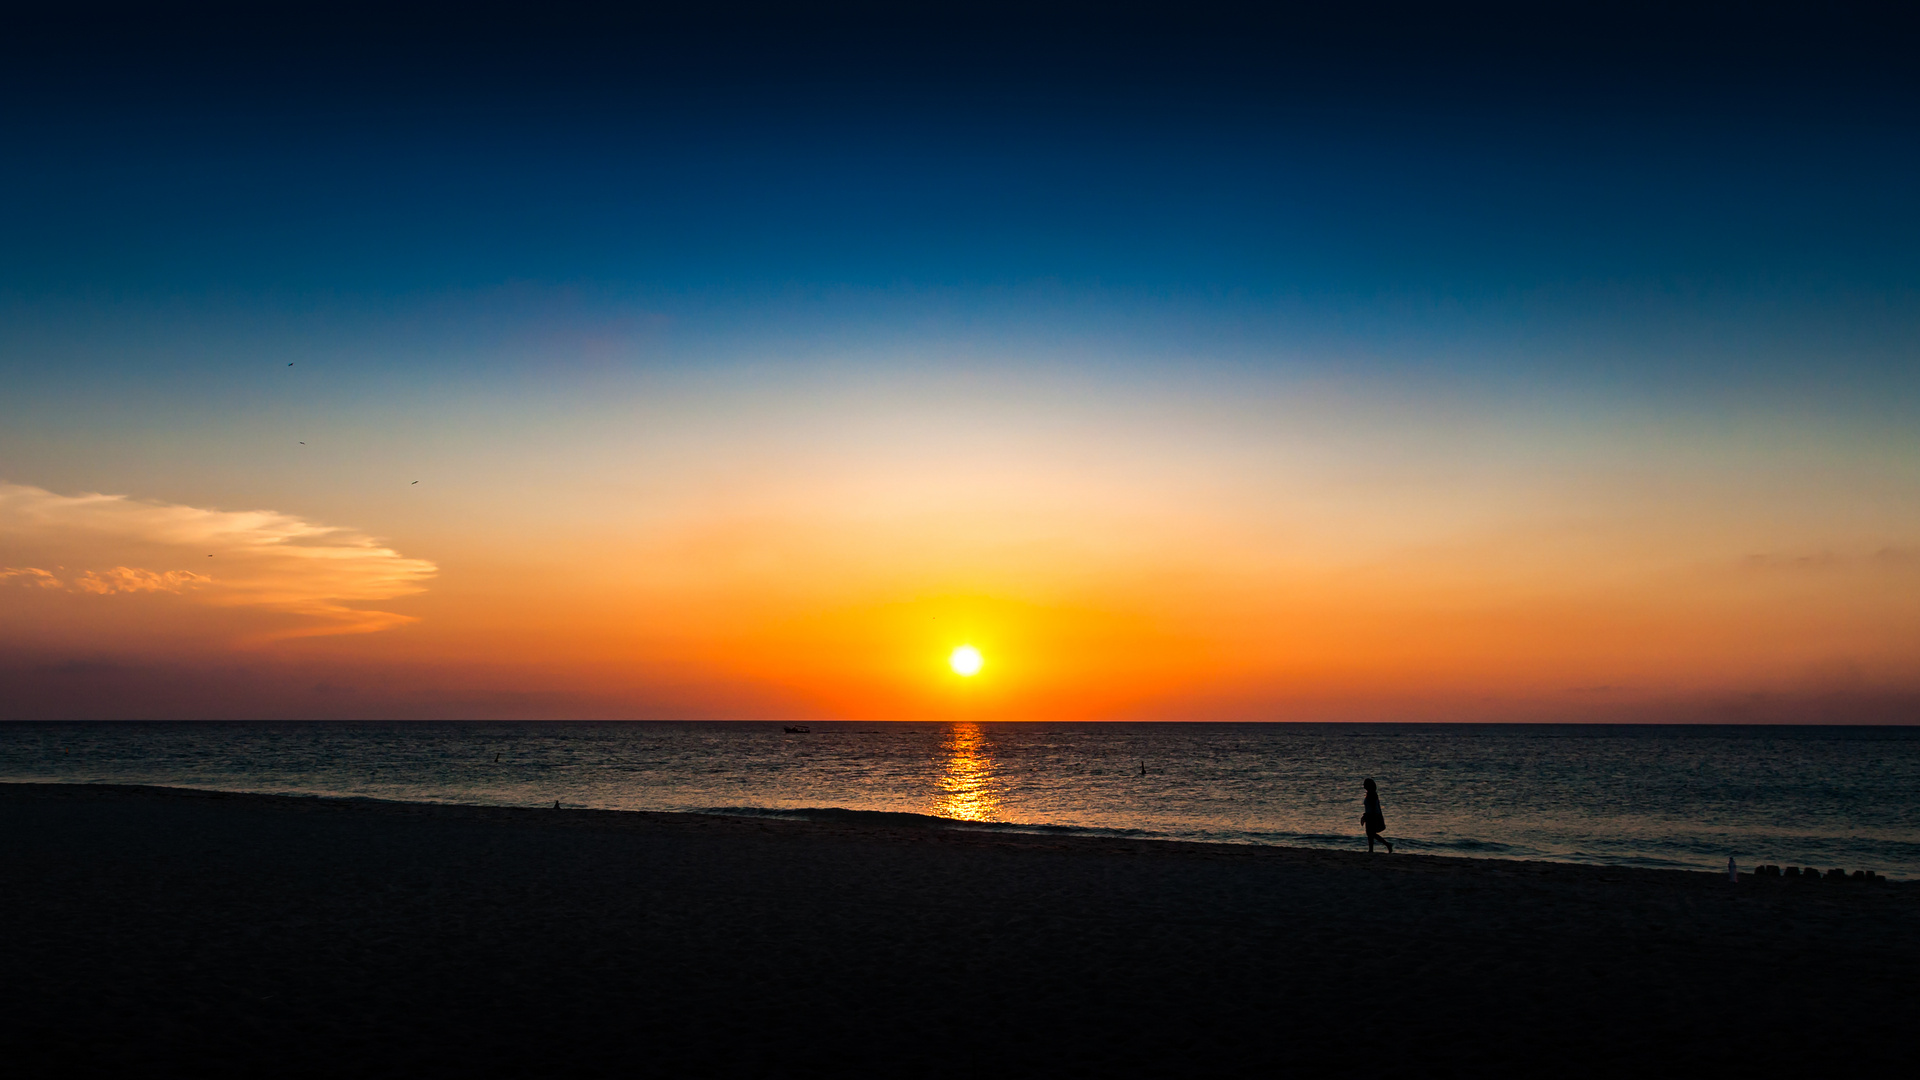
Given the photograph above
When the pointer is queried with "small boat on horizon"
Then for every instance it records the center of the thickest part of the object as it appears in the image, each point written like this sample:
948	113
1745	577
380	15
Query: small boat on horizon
799	731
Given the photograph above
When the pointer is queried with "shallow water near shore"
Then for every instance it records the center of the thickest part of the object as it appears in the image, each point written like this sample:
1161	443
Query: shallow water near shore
1643	796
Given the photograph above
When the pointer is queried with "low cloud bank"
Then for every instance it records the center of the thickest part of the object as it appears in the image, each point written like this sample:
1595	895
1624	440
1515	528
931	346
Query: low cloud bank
120	579
114	545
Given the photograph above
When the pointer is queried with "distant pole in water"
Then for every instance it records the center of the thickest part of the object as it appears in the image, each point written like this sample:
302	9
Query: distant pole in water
556	804
1143	768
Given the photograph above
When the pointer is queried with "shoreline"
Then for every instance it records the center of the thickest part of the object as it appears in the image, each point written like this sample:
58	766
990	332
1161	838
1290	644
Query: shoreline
909	824
188	930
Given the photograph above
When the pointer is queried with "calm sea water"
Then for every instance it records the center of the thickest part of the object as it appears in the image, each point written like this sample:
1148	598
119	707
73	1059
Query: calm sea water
1648	796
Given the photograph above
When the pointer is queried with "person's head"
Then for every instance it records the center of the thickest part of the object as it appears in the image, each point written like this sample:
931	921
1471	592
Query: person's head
1367	783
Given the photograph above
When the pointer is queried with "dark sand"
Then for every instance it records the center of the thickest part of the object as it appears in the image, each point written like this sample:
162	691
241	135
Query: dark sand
167	931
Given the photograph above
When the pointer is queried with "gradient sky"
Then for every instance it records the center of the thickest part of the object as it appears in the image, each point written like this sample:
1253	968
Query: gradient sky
1455	363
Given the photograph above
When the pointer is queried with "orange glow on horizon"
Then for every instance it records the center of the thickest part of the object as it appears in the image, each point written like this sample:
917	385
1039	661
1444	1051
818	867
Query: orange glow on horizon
1128	587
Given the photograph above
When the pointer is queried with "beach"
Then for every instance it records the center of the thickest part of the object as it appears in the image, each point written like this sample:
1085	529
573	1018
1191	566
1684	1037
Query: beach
176	931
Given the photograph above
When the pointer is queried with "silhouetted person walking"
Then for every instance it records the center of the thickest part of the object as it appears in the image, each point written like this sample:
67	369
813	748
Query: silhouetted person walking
1372	819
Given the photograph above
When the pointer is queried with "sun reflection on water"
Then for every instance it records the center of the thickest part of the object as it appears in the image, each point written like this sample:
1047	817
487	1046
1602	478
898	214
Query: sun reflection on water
968	787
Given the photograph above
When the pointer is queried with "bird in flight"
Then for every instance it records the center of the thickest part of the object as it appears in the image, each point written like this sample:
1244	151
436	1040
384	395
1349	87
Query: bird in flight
289	363
415	482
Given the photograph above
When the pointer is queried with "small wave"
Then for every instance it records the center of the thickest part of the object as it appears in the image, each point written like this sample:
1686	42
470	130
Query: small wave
902	819
1489	847
840	814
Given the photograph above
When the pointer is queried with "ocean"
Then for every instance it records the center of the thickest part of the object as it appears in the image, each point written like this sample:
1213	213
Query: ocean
1661	796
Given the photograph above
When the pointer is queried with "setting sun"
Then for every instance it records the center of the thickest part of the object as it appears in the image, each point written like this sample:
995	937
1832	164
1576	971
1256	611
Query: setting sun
965	660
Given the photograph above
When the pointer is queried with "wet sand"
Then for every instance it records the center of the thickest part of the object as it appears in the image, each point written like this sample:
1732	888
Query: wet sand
180	932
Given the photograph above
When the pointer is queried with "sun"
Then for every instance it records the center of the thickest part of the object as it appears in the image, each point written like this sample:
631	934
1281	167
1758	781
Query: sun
965	660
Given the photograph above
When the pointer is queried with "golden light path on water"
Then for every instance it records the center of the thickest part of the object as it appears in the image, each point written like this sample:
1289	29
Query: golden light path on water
968	788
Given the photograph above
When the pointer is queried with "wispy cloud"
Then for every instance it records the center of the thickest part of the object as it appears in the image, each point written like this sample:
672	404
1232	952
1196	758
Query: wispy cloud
31	577
1815	560
1885	558
127	579
108	545
120	579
